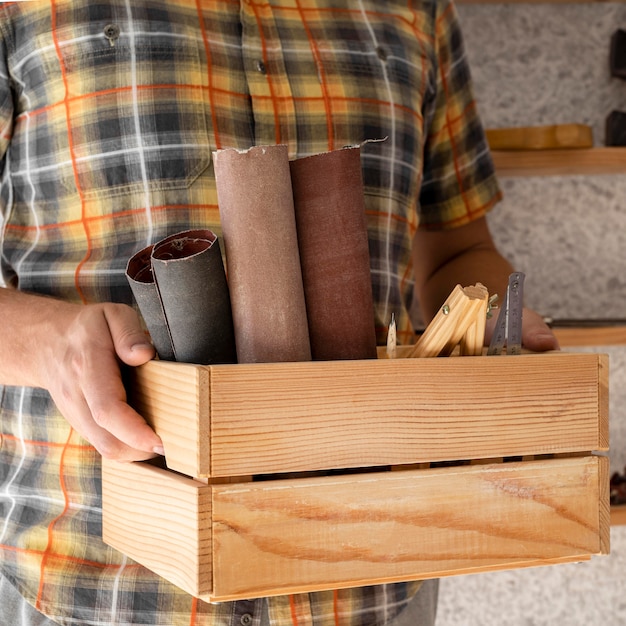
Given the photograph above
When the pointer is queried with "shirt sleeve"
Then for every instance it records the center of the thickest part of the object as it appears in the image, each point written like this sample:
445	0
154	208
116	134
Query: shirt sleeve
459	182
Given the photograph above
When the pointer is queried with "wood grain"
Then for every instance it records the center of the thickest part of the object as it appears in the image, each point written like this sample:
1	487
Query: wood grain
618	515
554	136
350	531
178	410
297	535
160	519
587	162
228	536
463	309
288	417
591	336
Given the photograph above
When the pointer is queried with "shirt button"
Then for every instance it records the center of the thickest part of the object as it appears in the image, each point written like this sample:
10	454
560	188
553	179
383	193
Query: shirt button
246	619
260	67
381	53
112	32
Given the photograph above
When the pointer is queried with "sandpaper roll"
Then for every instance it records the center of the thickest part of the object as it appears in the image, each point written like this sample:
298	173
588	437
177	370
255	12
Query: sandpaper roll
190	278
261	244
141	281
334	254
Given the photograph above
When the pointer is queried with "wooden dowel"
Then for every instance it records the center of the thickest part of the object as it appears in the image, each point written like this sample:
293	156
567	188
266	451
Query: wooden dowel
473	341
461	309
438	333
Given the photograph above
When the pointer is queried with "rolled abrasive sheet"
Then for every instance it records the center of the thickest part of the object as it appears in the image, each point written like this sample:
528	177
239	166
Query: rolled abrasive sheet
334	254
263	262
191	281
141	281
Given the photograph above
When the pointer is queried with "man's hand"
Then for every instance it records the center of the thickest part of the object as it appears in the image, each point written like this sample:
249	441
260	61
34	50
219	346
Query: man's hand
74	352
467	255
85	382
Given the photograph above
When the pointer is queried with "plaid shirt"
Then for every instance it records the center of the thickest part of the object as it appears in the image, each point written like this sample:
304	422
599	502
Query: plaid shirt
109	111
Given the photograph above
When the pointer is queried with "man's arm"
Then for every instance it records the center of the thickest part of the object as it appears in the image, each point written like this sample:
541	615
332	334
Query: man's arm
74	351
467	255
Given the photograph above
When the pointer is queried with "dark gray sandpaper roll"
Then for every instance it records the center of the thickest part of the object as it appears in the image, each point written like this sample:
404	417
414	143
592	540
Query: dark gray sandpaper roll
334	254
190	278
141	281
261	244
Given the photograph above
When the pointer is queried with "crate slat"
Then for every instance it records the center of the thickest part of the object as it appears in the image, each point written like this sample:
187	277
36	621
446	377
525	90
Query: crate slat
296	535
287	417
160	519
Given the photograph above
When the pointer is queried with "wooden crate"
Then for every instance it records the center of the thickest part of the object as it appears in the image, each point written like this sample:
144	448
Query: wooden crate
292	477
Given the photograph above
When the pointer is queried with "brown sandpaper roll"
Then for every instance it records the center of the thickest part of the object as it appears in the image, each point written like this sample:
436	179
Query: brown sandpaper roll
263	262
334	254
141	281
191	281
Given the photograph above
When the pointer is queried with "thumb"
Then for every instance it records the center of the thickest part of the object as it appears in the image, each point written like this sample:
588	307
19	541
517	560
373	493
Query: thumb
536	335
130	340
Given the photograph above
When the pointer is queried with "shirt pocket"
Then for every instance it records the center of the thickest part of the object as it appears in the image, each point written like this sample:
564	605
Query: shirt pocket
136	109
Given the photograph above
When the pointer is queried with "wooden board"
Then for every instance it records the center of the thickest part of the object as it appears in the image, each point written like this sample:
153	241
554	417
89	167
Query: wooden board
587	162
161	519
554	136
591	336
618	515
288	417
174	398
297	535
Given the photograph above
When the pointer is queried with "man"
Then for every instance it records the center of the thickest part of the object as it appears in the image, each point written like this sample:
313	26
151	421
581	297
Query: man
109	111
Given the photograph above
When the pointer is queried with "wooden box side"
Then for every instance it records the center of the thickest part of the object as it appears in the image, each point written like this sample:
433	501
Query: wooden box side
334	532
174	399
604	504
603	401
161	520
290	417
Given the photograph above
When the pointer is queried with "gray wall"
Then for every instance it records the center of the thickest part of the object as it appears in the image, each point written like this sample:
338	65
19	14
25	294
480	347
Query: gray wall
539	64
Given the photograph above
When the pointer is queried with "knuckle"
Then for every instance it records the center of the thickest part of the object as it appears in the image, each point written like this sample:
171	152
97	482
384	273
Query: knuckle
101	418
110	449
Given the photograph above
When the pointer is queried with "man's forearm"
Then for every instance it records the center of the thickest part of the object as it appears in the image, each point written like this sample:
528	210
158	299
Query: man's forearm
26	319
484	266
464	256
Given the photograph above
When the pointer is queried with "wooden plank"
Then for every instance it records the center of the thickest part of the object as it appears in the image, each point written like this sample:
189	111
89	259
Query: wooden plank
175	398
618	515
603	403
246	540
295	417
604	504
593	161
313	416
161	520
591	336
292	536
554	136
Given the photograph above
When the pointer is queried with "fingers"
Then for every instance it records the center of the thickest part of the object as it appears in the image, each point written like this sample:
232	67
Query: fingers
87	386
80	416
131	344
121	431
